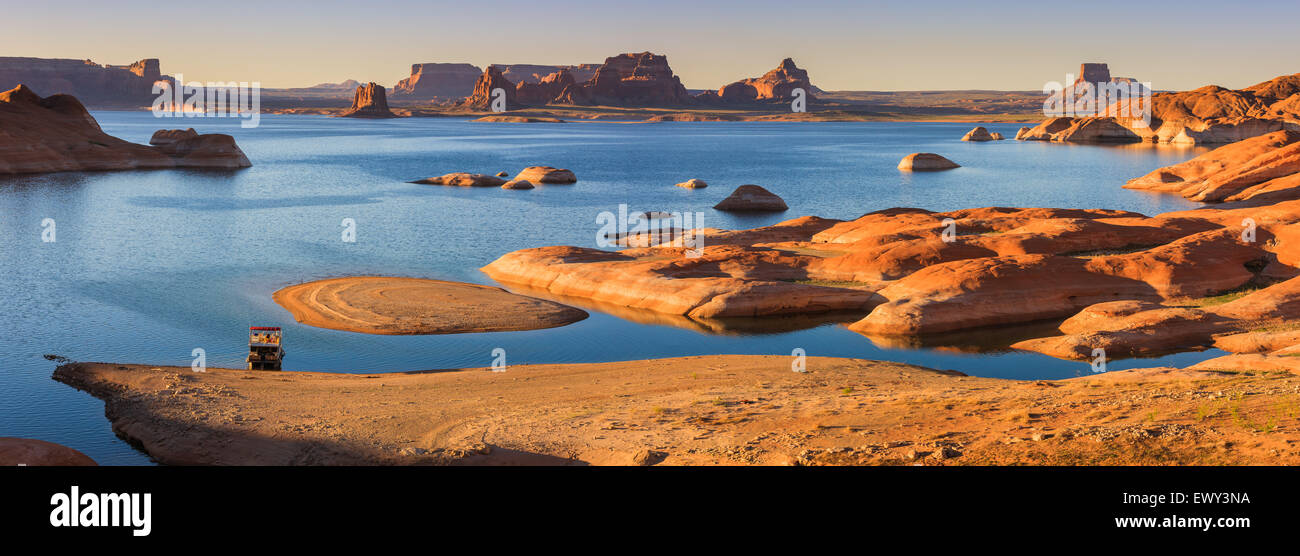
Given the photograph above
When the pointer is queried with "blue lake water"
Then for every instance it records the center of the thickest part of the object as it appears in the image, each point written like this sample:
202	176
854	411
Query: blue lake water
149	265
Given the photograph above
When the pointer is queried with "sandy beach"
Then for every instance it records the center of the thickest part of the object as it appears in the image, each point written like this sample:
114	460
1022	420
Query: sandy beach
716	410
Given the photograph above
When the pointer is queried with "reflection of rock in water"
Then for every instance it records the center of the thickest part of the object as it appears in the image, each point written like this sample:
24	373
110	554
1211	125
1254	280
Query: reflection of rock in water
994	339
731	326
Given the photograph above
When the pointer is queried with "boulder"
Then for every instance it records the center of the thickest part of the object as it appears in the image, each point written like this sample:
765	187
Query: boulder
96	85
977	134
169	136
751	198
33	453
1021	133
546	174
996	136
926	161
369	101
463	179
693	184
517	184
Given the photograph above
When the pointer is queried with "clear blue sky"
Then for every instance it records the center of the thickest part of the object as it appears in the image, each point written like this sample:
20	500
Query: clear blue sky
845	45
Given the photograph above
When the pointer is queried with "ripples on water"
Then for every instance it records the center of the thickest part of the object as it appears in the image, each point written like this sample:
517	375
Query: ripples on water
150	265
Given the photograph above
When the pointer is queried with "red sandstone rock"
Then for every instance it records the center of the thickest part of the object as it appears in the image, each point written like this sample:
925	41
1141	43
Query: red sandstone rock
546	174
434	80
1232	172
517	184
545	90
169	136
491	80
693	184
93	84
370	101
977	134
638	79
56	133
463	179
926	161
33	453
777	84
751	198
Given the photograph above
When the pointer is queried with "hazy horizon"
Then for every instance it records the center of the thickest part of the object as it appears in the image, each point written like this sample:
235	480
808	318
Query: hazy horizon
858	46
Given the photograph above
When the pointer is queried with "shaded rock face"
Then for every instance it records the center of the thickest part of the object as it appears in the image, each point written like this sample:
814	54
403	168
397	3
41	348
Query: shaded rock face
56	133
544	90
169	136
926	161
434	81
492	79
637	79
751	198
535	73
1207	115
93	84
32	453
777	84
370	101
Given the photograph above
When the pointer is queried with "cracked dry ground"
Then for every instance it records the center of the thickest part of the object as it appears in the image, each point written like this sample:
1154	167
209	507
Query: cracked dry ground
716	410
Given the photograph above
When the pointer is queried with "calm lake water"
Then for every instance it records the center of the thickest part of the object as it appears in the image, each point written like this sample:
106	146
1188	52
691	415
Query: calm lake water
149	265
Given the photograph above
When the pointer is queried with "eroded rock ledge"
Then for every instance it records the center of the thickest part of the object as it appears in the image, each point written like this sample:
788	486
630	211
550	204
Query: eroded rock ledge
57	134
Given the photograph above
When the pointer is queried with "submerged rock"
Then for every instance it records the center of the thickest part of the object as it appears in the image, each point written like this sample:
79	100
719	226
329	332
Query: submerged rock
463	179
693	184
517	184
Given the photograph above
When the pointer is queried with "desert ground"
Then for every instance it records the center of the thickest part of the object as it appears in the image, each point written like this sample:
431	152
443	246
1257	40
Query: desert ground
715	410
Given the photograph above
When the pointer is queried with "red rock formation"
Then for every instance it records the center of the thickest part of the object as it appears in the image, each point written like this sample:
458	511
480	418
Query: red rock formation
92	83
639	79
534	73
33	453
436	80
1266	165
1210	114
751	198
56	133
979	133
545	90
546	174
777	84
370	101
492	79
463	179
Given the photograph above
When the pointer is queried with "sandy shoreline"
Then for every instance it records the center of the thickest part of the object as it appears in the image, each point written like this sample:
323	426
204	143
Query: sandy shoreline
705	410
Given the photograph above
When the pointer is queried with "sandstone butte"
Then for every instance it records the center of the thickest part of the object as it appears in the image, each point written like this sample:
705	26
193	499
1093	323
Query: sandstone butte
370	101
98	85
56	133
33	453
1207	115
1135	284
926	161
630	79
395	305
714	410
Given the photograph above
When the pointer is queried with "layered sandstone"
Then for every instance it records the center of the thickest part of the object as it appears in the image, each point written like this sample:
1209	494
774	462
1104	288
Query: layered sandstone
93	84
634	79
777	84
482	96
370	101
438	81
1263	166
56	133
1207	115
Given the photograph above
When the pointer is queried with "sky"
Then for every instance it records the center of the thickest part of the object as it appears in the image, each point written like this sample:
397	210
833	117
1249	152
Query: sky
844	45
